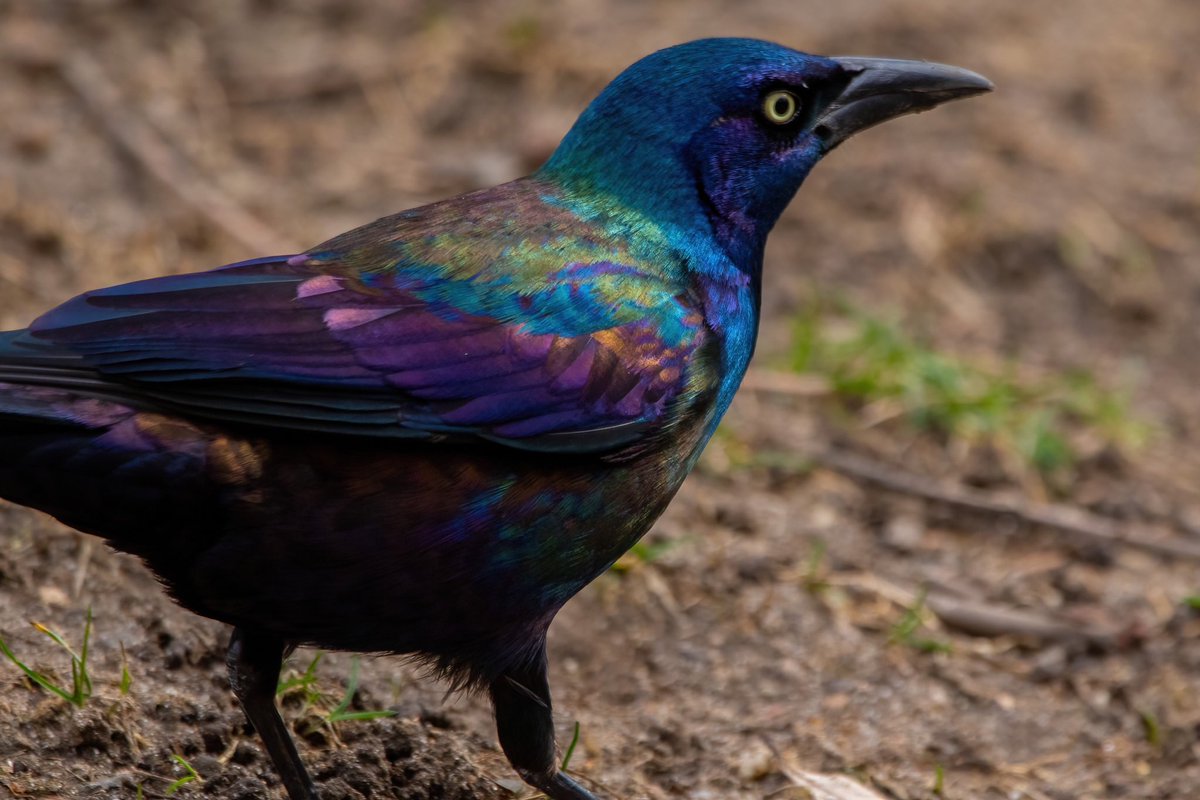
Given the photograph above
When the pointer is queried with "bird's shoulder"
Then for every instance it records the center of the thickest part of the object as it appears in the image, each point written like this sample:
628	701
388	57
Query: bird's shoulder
527	237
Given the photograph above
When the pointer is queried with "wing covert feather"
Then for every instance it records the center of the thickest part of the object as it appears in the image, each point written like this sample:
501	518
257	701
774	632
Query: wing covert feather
305	343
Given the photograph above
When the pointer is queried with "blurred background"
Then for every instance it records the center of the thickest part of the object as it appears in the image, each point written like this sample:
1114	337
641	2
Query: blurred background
947	541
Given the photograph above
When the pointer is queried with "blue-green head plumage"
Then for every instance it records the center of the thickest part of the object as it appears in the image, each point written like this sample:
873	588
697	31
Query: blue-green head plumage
712	138
713	135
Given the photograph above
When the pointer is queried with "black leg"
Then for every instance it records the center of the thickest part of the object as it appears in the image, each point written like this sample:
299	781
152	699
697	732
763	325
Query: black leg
254	661
526	730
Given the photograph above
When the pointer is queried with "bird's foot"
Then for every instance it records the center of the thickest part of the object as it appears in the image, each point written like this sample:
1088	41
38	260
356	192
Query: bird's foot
557	785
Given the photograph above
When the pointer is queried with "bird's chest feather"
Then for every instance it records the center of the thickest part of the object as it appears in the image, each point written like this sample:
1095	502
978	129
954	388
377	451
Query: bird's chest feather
729	302
731	308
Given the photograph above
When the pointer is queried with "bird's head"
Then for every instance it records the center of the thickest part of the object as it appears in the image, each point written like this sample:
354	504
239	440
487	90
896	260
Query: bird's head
717	135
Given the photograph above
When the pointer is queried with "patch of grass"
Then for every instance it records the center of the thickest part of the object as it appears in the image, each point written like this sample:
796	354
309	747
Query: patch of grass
81	681
1151	727
313	697
523	33
341	713
875	368
641	554
726	452
814	568
305	682
1192	602
190	776
939	780
907	628
782	462
126	676
566	761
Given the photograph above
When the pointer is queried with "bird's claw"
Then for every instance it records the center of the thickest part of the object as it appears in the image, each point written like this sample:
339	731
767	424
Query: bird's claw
557	785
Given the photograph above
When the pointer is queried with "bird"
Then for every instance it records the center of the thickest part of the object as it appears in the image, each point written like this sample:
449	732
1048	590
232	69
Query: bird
423	436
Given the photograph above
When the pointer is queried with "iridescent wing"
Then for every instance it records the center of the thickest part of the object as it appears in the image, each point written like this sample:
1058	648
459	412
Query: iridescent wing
297	343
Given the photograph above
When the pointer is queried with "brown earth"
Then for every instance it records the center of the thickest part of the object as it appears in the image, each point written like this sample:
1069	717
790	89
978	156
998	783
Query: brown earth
1055	223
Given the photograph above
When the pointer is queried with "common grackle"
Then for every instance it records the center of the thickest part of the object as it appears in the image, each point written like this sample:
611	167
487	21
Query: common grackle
425	435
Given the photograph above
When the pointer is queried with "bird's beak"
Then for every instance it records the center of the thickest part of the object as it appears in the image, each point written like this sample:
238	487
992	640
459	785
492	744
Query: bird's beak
883	88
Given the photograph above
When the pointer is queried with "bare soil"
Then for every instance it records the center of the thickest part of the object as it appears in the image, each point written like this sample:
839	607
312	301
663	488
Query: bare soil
1055	223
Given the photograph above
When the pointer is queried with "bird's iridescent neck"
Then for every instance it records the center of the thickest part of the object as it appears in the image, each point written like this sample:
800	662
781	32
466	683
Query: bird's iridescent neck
728	290
685	229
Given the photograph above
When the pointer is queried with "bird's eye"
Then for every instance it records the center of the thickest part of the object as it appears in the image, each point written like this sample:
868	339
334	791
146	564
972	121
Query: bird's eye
780	106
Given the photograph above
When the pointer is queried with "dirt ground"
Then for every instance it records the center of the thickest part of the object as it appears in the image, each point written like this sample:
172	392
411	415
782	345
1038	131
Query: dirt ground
1054	224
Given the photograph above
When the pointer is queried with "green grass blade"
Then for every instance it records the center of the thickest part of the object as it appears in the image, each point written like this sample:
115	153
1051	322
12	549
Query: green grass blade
359	716
58	640
570	748
341	712
83	688
34	675
305	680
126	677
191	775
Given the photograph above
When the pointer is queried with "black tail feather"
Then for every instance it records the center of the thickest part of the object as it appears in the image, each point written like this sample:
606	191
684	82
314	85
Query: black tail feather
40	384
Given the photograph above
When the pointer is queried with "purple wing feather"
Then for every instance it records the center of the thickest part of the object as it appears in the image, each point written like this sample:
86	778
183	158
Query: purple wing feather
289	343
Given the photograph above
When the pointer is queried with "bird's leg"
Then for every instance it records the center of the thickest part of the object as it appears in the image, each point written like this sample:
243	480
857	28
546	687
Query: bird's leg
526	730
254	661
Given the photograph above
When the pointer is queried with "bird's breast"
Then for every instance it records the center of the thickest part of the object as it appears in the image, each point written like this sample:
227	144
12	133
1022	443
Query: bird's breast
731	310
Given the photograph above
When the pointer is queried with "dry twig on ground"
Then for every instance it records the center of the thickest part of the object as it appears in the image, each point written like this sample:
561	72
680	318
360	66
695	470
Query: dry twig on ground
1062	518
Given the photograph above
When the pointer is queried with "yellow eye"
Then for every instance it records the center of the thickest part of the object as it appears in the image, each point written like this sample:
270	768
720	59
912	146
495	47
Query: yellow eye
780	107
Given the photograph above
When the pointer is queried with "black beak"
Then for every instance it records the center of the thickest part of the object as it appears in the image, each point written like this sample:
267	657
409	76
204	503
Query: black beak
883	88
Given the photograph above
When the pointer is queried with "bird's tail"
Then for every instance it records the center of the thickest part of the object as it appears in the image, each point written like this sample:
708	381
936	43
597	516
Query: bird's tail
40	385
61	445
